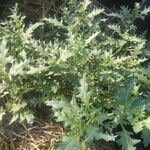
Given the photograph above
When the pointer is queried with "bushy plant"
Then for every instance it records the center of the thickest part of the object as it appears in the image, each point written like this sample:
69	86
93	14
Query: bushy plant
91	75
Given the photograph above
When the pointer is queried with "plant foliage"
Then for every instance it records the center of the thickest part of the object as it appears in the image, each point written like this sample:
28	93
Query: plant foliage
89	73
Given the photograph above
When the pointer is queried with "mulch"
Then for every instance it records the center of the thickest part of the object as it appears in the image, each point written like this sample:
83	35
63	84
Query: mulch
38	136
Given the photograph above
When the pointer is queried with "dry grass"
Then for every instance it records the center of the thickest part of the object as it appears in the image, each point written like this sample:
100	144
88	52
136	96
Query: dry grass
39	136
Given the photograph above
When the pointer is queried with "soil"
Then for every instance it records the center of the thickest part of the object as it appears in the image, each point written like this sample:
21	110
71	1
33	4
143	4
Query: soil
38	136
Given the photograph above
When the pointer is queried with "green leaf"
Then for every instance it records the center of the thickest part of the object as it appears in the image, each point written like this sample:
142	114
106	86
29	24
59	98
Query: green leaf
29	32
83	89
146	136
57	104
4	55
62	111
34	70
146	132
138	126
14	118
126	141
64	54
69	143
17	106
28	117
94	132
95	12
18	68
55	22
92	37
145	11
85	3
2	113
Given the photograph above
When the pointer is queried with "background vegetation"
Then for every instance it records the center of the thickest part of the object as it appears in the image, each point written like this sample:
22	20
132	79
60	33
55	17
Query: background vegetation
73	69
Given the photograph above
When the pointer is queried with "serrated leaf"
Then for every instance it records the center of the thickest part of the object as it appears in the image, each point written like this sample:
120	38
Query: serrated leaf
147	123
17	106
64	54
74	102
57	104
145	11
105	137
34	70
146	136
138	126
146	132
136	89
2	113
101	116
69	143
86	3
95	13
55	22
4	57
94	132
18	68
83	89
126	141
92	37
29	32
28	117
14	118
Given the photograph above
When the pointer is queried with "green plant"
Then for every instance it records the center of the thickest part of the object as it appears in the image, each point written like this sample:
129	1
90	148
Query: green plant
91	75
